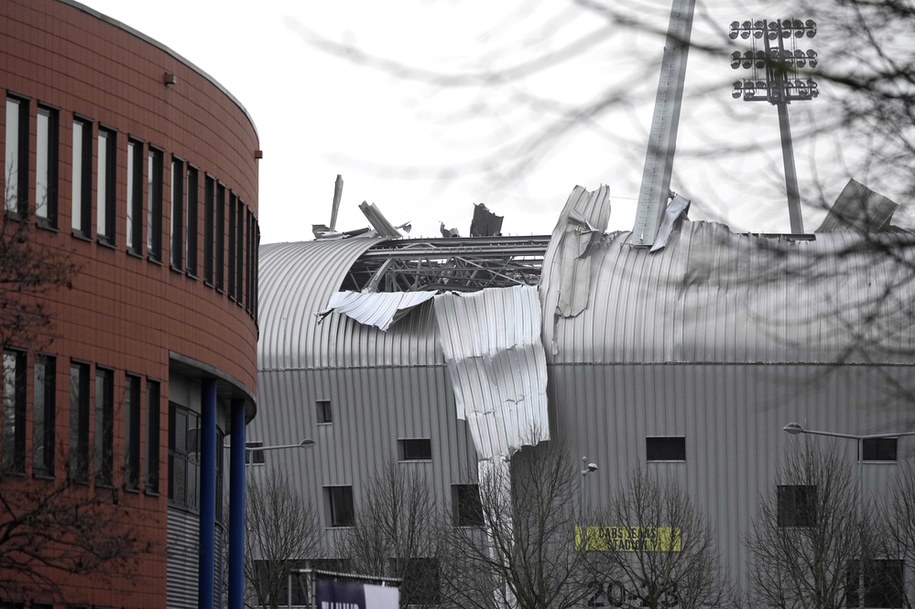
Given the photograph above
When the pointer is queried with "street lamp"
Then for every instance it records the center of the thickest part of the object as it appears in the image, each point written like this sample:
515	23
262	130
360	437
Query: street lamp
777	76
586	468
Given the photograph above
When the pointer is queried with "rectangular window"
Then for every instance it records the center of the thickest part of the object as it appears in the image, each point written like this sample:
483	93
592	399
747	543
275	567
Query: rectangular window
878	449
884	584
339	504
104	426
154	203
219	231
135	197
46	164
797	505
233	228
254	457
418	449
81	179
322	407
192	212
132	431
16	170
176	233
152	436
183	463
239	249
420	585
14	408
250	257
105	186
79	422
466	507
665	448
209	218
45	413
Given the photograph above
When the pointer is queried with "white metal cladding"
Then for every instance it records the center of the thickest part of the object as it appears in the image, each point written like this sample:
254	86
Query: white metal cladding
183	557
491	342
716	296
297	281
379	309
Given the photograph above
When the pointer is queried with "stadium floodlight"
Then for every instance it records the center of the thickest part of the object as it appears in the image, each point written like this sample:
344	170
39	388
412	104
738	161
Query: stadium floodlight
780	75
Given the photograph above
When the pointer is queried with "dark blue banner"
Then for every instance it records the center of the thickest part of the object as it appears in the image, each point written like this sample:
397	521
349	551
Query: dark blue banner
335	594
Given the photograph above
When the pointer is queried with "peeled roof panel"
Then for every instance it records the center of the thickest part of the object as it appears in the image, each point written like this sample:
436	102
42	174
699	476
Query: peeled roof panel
379	309
491	343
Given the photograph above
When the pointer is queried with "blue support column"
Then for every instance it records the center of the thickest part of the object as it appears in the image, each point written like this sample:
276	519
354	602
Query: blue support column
208	448
237	507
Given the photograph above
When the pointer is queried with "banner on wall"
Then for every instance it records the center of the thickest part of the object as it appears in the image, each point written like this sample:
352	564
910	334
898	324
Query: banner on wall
338	594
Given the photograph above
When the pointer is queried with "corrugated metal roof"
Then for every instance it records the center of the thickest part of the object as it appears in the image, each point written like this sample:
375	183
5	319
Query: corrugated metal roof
379	309
491	342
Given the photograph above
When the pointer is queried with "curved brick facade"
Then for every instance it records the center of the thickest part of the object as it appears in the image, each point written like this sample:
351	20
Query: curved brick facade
138	313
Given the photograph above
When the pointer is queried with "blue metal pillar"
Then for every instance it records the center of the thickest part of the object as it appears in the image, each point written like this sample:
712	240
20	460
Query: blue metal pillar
237	507
207	568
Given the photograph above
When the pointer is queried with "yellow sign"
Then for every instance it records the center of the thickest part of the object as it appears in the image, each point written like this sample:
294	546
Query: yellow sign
628	539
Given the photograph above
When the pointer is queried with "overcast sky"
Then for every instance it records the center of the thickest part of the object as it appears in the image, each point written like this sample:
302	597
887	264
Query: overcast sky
426	153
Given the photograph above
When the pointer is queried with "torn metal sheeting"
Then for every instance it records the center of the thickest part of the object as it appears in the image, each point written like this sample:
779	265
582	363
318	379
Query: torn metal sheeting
484	222
378	221
497	365
859	209
678	208
379	309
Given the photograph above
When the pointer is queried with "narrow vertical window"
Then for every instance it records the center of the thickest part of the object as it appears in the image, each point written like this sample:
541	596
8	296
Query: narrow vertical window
45	411
209	204
104	426
16	170
219	230
135	197
183	465
132	431
152	437
81	211
191	222
233	227
79	422
256	270
176	233
154	202
239	249
105	186
249	259
14	411
46	163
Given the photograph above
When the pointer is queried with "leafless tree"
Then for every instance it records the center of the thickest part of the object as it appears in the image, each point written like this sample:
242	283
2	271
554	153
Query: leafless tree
812	534
653	548
395	535
523	556
282	531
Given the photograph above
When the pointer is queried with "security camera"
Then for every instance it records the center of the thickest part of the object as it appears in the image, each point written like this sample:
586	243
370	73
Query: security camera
592	467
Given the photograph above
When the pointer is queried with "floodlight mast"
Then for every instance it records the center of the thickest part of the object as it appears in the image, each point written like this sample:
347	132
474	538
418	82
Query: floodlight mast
778	88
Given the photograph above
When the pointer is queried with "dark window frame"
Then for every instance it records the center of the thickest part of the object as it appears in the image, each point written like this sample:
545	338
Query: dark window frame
104	426
209	220
340	506
106	176
671	449
414	449
132	409
51	171
883	580
324	412
17	204
176	212
219	232
183	457
466	505
44	415
879	450
155	159
136	153
153	408
81	165
796	505
15	369
192	223
78	457
254	457
239	251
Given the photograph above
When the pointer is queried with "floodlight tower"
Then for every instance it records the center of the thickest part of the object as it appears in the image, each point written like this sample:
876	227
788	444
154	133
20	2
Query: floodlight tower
777	77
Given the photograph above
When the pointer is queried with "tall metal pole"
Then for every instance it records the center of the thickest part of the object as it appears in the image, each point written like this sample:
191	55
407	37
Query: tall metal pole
794	197
662	140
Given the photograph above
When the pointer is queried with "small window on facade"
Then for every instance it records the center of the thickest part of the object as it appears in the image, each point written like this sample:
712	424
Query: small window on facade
152	437
176	232
665	448
797	505
183	458
135	197
154	205
46	165
209	220
339	504
254	457
466	506
105	186
879	449
239	250
16	170
14	410
132	431
324	413
415	449
233	228
45	412
78	458
191	215
219	232
104	426
884	584
420	584
81	179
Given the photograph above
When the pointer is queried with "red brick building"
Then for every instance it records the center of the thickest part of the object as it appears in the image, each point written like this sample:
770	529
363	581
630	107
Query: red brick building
142	171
